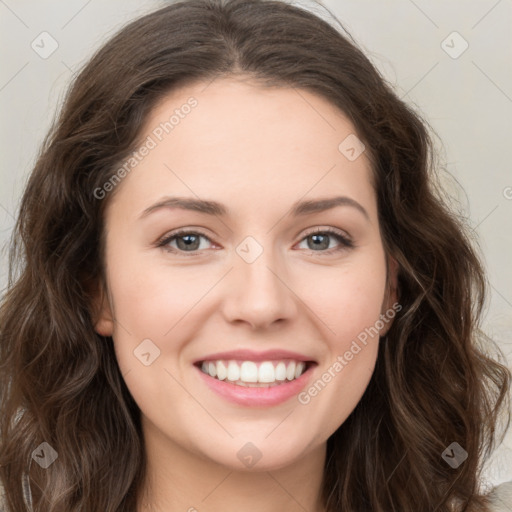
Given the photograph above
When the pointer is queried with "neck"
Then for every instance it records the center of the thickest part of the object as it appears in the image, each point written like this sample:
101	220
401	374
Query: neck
180	481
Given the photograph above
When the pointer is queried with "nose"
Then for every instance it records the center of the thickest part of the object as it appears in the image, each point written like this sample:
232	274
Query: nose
257	293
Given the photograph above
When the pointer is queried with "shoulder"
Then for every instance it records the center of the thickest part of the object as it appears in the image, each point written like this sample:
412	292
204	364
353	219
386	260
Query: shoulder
500	498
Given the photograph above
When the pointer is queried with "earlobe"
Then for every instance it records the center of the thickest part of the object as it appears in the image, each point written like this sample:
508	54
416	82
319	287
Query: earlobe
102	313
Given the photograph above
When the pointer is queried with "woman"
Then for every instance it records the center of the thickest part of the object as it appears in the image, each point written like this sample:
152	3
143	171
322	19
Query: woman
240	288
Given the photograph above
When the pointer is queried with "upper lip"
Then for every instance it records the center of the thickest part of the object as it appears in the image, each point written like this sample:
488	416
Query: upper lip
251	355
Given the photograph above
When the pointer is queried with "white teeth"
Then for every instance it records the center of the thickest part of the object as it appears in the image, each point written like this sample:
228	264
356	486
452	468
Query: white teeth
281	371
300	369
266	372
233	371
222	372
250	373
290	371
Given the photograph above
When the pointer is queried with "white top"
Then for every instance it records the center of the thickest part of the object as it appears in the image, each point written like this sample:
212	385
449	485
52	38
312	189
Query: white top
501	496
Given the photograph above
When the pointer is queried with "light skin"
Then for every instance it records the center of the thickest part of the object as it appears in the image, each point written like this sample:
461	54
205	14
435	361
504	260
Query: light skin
257	151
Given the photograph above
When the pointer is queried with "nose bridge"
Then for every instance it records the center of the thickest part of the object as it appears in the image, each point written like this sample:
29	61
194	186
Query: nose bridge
257	291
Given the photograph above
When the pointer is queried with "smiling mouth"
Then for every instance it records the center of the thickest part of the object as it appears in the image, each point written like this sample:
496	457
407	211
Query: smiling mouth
255	374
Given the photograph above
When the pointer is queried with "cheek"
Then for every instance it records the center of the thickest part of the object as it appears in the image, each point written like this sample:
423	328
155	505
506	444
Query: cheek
349	303
348	299
154	298
154	304
161	303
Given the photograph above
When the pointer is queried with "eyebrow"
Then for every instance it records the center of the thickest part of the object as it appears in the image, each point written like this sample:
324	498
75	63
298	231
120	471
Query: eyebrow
299	208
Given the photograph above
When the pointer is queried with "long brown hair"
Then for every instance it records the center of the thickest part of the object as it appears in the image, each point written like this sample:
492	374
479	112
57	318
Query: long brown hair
435	382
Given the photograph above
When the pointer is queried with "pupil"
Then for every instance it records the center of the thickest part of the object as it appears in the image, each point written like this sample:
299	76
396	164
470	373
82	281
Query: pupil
320	245
188	242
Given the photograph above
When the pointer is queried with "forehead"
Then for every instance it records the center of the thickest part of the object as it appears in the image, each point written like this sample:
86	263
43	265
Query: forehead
240	138
243	111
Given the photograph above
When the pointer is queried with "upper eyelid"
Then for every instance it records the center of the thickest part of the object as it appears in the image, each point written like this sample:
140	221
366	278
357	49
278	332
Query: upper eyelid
331	230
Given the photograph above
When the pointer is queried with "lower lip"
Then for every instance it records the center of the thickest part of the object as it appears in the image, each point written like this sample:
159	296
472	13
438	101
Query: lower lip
257	397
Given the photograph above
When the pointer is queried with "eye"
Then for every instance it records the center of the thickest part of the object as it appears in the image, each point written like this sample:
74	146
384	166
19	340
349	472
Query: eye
184	241
320	240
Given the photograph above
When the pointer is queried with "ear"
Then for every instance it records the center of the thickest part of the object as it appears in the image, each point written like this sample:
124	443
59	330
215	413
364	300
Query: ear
102	317
390	304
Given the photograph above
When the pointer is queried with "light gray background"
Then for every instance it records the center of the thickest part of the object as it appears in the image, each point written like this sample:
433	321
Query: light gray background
467	100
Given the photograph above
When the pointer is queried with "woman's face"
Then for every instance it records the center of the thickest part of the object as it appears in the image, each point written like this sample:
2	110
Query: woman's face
272	275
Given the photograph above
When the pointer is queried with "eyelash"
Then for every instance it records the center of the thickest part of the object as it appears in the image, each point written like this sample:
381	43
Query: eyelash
345	242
